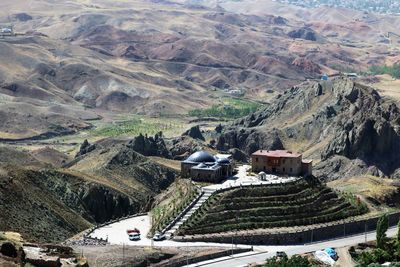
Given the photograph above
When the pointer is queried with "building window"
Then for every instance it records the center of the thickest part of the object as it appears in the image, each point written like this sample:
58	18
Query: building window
283	169
291	170
256	159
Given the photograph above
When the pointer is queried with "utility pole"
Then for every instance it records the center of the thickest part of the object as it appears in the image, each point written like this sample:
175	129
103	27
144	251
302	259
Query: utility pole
232	245
237	227
312	235
187	254
123	254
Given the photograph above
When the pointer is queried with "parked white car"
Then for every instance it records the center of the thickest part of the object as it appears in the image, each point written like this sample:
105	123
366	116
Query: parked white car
158	236
134	236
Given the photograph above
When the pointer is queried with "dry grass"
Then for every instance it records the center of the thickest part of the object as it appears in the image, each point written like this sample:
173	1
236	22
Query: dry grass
173	164
387	86
14	237
368	186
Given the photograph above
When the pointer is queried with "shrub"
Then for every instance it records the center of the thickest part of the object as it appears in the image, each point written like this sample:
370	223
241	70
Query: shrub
231	108
381	228
295	261
393	70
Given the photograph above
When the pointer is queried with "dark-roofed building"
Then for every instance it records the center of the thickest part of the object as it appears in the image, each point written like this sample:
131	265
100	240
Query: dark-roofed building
201	166
280	162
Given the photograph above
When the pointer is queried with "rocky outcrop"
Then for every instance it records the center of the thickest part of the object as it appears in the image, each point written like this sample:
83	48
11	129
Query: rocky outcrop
195	133
52	256
23	17
8	249
149	146
127	162
303	33
60	204
85	148
183	146
238	155
306	65
369	132
347	127
104	204
249	140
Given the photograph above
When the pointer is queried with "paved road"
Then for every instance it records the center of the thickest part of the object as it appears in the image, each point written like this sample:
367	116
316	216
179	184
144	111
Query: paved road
248	258
116	234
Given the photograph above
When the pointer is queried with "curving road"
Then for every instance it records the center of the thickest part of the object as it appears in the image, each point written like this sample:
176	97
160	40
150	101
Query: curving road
247	258
116	234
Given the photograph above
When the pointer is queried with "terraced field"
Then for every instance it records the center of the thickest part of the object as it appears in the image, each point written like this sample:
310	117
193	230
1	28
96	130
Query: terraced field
302	202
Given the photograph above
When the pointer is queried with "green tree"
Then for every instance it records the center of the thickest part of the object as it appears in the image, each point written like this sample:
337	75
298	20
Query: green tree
381	228
398	232
295	261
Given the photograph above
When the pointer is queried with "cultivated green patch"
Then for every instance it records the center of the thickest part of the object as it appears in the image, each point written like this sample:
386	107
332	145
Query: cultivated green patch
393	70
134	127
229	108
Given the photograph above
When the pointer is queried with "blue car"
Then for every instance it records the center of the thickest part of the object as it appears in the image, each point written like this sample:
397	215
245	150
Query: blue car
332	253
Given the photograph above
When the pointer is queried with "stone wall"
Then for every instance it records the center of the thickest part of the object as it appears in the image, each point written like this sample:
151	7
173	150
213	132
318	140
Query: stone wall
192	260
329	231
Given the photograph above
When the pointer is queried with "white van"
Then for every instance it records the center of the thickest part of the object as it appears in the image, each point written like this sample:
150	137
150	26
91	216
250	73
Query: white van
134	236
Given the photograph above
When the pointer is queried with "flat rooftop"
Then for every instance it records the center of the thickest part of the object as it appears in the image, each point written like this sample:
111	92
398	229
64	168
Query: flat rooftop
277	153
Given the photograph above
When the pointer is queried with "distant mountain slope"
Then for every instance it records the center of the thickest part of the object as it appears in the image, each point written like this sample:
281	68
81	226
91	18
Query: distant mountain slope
81	60
347	128
50	88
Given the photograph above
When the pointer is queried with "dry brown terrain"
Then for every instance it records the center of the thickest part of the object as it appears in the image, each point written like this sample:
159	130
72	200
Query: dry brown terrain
84	60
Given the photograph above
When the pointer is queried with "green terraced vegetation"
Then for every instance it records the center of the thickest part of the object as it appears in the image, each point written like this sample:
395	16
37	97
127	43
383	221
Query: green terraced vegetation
303	202
164	213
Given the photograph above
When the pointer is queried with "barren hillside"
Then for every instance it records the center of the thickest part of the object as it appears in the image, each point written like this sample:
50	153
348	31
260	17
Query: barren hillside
81	60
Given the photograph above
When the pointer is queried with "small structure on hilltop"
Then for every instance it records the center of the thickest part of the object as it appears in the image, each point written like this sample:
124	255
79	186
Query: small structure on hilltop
262	176
6	31
324	77
280	162
201	166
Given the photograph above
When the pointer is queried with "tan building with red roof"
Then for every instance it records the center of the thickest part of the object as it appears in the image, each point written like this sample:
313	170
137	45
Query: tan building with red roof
280	162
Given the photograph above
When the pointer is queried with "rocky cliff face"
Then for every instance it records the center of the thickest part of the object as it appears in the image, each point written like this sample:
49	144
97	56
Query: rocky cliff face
128	163
338	123
107	182
50	206
149	146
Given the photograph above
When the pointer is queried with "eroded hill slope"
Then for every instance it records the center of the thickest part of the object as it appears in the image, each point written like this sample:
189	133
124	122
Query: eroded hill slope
346	127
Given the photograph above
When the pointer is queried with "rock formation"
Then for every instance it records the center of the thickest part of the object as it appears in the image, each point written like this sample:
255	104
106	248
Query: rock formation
303	33
195	133
149	146
345	126
85	148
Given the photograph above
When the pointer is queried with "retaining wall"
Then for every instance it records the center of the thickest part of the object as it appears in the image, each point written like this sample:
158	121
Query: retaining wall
331	231
183	261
